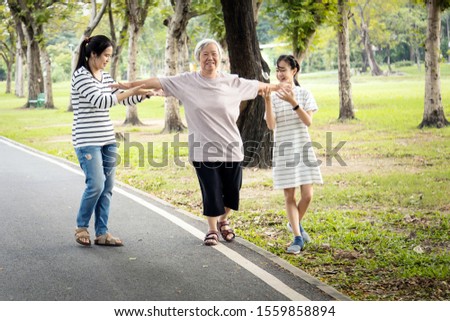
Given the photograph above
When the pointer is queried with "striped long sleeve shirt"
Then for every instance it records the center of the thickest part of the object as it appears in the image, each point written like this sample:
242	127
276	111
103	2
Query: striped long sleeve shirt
91	101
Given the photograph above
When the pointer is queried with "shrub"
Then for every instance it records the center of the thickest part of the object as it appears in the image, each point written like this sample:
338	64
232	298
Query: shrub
403	63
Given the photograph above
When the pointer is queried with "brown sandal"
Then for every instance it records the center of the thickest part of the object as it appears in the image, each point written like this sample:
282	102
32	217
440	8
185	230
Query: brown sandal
211	238
226	231
82	234
108	240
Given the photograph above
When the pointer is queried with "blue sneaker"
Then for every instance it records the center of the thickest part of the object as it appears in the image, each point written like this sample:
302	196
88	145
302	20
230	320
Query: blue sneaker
296	246
293	249
305	234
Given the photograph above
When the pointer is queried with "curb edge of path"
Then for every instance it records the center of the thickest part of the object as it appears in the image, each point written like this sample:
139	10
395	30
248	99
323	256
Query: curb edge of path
332	292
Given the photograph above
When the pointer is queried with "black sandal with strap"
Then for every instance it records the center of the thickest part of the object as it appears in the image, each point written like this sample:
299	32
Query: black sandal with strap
226	231
211	238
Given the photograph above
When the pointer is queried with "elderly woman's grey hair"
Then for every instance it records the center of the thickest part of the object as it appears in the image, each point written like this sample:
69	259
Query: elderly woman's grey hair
202	44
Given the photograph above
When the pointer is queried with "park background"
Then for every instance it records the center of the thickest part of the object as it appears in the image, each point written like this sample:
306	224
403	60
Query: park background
380	222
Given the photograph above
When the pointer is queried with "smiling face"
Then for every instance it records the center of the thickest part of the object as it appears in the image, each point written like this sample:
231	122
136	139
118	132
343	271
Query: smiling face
100	62
285	73
209	59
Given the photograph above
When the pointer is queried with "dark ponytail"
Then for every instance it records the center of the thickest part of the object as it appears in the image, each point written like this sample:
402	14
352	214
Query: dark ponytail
293	63
96	44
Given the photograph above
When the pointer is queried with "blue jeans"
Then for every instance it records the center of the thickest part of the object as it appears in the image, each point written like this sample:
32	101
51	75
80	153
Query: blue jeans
99	166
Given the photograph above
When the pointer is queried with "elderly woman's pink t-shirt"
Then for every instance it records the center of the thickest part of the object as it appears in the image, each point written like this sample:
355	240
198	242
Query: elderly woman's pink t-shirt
212	109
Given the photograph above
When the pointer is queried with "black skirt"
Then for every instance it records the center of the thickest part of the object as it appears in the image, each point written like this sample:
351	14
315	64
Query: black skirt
220	183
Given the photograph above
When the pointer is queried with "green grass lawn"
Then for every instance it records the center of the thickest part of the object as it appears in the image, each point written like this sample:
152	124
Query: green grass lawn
380	224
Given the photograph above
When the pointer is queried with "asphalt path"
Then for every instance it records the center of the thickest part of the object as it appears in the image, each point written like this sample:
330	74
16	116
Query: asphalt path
163	258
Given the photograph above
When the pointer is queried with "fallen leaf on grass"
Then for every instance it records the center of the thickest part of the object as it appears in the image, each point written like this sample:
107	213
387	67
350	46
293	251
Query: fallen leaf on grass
331	272
412	235
326	246
350	255
410	219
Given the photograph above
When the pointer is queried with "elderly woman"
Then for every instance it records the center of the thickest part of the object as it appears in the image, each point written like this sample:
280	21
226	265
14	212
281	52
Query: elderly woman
211	100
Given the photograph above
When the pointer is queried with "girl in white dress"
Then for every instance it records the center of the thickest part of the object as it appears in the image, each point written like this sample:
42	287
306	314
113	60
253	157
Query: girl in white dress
289	114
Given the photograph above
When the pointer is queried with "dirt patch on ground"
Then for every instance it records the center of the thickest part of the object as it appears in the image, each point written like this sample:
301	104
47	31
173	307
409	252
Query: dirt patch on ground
61	139
149	124
408	289
48	126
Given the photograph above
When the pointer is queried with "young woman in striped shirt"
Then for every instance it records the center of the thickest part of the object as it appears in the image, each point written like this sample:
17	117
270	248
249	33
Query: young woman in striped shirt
289	113
93	135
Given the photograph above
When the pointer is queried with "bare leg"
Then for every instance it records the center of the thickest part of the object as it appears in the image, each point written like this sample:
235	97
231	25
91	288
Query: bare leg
212	220
224	217
292	210
212	223
307	195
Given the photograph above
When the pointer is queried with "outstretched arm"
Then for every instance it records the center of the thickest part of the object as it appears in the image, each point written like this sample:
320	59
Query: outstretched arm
150	83
270	115
272	87
134	91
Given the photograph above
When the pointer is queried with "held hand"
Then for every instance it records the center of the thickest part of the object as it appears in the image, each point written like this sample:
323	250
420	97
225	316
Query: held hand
143	92
157	93
138	90
121	85
285	86
265	92
285	94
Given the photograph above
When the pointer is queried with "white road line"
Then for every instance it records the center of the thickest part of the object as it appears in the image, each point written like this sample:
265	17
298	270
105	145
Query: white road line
232	255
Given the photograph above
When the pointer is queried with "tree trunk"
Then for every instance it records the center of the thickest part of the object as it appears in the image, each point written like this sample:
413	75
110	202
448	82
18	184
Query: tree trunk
137	14
9	67
133	36
375	69
8	56
119	42
19	74
433	115
175	41
47	77
365	63
225	59
417	57
448	36
35	77
183	53
388	53
300	54
246	61
367	45
412	54
23	13
345	86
